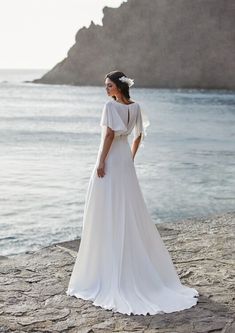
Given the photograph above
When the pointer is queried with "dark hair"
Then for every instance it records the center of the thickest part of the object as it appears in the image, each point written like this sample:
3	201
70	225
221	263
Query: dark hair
123	86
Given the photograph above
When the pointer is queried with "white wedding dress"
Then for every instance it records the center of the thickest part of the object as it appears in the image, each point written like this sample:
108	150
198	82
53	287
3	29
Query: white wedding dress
122	263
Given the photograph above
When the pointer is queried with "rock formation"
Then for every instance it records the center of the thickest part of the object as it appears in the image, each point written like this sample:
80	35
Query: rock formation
160	43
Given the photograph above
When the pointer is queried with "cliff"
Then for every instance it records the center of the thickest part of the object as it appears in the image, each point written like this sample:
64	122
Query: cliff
160	43
33	285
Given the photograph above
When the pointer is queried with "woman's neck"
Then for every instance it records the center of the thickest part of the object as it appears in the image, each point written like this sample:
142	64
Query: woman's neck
123	101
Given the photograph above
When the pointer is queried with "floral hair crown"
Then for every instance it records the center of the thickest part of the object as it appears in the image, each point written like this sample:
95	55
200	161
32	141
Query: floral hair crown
127	80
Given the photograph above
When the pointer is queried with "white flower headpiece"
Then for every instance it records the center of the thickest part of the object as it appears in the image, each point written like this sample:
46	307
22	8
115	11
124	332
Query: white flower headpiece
128	80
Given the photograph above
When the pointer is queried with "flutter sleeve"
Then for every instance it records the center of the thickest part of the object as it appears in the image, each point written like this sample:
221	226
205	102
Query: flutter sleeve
140	128
110	118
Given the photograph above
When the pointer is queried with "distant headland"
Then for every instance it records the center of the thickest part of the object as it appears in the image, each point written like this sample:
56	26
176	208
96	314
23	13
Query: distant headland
161	44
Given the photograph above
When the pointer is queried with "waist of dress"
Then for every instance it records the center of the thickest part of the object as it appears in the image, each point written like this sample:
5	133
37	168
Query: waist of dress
121	137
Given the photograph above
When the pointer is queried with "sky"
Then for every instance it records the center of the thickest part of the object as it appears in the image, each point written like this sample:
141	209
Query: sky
38	33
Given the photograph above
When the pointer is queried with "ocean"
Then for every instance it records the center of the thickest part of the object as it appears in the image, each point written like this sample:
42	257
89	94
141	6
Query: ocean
49	139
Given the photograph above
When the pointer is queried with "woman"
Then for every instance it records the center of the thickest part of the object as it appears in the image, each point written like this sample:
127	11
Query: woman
122	263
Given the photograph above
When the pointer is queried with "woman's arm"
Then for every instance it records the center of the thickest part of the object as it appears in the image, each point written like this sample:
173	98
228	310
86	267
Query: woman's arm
135	146
109	136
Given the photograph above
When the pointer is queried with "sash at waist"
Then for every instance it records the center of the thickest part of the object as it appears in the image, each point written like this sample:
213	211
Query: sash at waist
121	137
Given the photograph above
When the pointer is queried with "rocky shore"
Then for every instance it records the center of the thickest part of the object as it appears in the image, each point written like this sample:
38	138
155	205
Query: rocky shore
33	285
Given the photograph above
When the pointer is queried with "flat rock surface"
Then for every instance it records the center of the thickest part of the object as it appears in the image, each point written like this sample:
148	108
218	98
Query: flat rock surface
33	286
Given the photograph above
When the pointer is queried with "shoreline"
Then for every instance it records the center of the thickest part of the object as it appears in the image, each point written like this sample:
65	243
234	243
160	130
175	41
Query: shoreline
159	225
33	285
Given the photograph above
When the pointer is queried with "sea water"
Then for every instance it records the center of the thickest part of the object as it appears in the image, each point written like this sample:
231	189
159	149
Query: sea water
49	139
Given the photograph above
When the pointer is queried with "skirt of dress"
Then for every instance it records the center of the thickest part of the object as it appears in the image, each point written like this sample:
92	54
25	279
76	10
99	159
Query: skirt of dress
122	263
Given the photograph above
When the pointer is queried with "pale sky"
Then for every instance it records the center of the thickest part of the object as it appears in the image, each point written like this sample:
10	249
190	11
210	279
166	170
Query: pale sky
38	33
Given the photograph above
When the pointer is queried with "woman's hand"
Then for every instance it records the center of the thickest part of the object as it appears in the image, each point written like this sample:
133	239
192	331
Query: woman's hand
135	146
109	136
100	169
